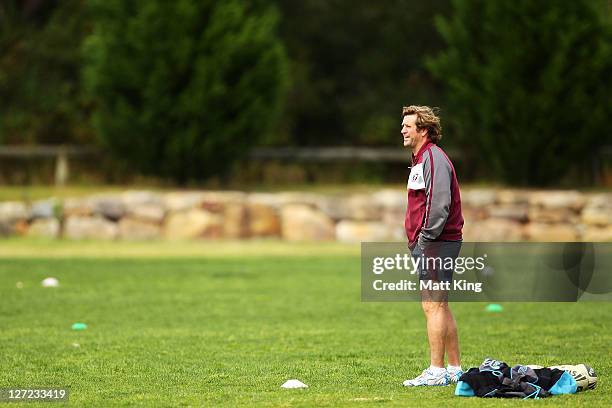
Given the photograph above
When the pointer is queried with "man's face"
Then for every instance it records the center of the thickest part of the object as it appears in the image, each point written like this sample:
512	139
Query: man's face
412	136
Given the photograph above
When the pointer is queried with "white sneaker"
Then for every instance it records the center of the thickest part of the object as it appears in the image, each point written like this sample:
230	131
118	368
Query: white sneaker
428	378
453	376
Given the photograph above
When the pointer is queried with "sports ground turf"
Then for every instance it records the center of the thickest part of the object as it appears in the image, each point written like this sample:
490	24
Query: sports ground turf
213	324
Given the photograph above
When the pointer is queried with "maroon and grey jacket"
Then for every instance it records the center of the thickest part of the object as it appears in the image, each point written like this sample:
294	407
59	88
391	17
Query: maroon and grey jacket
434	201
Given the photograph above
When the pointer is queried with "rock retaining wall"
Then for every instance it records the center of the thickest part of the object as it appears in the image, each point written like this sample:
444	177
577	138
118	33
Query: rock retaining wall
490	215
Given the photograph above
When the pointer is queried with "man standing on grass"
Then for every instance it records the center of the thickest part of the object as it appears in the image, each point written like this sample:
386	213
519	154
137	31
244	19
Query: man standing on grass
433	227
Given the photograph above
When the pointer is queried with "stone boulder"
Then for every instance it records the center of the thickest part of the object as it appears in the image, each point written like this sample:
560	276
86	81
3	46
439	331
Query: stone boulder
78	207
151	213
363	231
514	212
235	221
44	209
394	217
391	200
560	199
291	197
19	228
600	200
478	197
96	227
268	199
492	230
513	197
195	223
537	231
552	215
132	198
216	201
474	214
44	228
356	207
137	229
593	215
363	208
597	234
13	218
264	221
301	222
110	207
12	211
183	200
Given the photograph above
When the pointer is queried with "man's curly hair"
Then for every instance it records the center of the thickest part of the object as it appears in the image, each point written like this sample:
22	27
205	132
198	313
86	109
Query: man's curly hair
427	118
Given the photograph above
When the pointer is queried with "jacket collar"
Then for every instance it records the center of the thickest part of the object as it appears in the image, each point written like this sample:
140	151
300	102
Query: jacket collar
416	158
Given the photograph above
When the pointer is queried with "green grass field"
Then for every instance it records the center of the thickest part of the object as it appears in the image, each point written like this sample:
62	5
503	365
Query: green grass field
225	324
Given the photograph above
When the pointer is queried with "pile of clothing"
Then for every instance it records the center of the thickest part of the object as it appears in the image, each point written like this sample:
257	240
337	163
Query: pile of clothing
496	379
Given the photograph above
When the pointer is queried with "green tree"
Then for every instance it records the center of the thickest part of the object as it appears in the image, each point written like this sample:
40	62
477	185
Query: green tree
40	56
184	88
354	64
528	85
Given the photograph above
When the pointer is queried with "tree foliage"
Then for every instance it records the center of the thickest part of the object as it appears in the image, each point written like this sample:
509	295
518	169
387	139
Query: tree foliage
184	88
40	93
528	84
354	64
